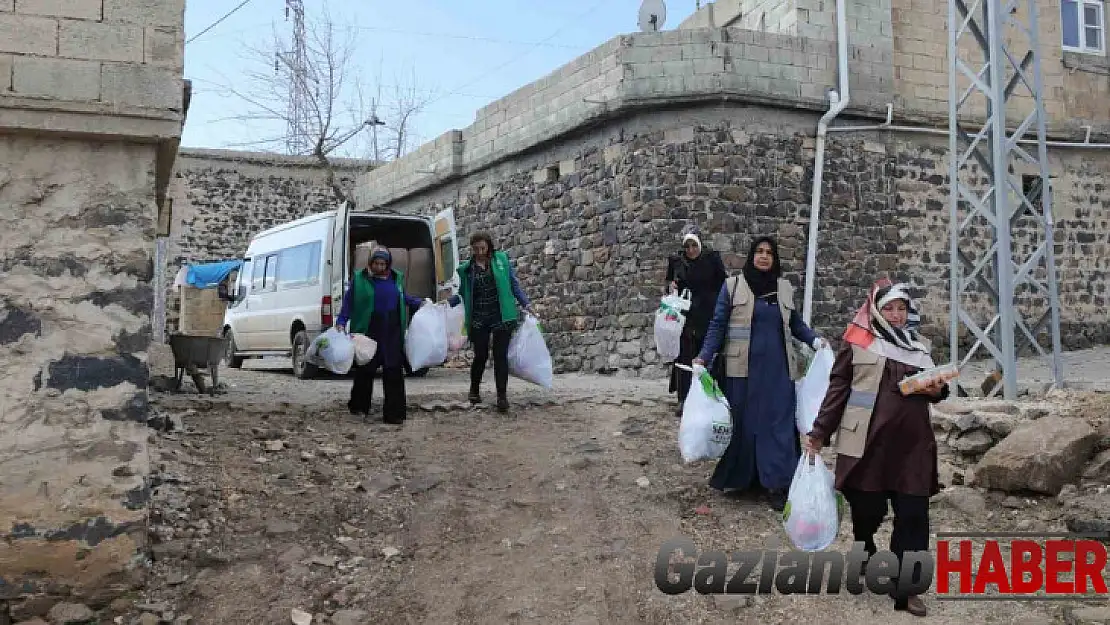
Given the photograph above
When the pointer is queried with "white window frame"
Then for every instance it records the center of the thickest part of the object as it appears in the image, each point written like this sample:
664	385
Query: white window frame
1082	48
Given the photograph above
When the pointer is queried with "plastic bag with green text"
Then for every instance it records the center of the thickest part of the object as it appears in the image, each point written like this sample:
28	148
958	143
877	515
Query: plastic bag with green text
706	426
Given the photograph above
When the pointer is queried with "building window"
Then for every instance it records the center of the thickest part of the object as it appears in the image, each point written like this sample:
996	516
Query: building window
1083	24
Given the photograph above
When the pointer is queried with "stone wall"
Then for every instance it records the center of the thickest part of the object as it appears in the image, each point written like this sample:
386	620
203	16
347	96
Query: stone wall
222	198
91	108
591	218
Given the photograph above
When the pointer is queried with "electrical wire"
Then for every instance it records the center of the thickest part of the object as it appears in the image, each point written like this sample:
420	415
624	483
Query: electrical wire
517	57
399	31
217	22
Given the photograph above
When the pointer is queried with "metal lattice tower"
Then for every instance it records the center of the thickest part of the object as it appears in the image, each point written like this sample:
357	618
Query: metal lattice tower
1016	273
297	141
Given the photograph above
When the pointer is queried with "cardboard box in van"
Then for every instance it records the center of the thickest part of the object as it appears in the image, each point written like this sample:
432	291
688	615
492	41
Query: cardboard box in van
401	260
421	273
362	255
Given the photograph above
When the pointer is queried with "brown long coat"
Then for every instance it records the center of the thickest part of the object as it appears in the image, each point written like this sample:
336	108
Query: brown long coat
901	450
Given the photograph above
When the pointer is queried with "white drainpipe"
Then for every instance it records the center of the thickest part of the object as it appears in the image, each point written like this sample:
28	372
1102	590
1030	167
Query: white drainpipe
838	101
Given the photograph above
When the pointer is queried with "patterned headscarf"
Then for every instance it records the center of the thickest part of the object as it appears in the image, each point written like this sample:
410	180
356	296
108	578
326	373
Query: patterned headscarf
870	331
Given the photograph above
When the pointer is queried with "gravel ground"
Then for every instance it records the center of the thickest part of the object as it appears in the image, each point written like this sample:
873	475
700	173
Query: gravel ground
273	499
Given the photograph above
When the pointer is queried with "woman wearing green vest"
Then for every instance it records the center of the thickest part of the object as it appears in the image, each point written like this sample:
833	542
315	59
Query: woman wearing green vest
886	450
376	305
490	291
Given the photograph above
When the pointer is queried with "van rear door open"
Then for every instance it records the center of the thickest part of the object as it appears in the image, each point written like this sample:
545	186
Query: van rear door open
339	247
446	251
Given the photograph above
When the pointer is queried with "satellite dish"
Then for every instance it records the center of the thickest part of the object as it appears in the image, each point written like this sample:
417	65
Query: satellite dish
653	13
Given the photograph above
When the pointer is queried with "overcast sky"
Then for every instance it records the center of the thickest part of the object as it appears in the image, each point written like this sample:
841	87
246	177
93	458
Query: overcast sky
463	53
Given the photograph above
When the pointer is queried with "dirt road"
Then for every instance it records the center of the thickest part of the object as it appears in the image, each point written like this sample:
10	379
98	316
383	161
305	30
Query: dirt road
552	514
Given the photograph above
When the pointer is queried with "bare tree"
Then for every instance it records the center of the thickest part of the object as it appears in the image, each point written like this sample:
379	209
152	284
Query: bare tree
396	135
312	93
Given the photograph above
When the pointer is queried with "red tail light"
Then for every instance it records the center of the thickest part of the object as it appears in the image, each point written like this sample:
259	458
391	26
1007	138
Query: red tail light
325	311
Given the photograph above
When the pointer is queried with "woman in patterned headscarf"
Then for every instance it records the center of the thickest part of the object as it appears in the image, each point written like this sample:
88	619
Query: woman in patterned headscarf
886	451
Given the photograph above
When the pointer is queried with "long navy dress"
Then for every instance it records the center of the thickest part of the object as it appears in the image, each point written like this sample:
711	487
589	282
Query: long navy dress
765	445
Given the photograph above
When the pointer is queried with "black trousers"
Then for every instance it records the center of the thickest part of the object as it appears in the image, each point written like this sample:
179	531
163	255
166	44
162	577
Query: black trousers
688	349
497	338
911	521
394	409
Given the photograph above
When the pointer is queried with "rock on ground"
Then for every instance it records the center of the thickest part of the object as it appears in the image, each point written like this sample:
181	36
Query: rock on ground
71	614
1099	467
1099	615
1041	456
965	499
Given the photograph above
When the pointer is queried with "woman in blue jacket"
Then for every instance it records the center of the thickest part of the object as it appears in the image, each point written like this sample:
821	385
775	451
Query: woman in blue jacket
376	305
751	328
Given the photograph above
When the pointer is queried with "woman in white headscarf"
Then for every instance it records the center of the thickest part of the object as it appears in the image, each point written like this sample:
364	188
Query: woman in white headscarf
886	451
702	272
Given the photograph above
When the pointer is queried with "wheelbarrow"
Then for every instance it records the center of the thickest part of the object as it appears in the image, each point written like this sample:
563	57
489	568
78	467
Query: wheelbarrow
191	354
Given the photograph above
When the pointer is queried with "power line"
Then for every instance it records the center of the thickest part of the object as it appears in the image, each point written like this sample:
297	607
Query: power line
414	33
216	23
522	54
399	31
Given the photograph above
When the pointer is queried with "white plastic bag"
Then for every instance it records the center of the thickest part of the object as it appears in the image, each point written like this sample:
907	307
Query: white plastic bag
706	426
365	348
529	359
426	340
812	388
455	317
670	318
334	350
813	509
678	301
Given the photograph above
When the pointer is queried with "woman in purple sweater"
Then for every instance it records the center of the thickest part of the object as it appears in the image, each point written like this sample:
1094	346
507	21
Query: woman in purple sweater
376	305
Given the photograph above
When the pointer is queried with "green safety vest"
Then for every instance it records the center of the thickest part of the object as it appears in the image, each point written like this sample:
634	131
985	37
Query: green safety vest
499	264
362	302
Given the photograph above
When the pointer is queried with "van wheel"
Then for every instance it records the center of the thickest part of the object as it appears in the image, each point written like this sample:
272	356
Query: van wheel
301	369
230	359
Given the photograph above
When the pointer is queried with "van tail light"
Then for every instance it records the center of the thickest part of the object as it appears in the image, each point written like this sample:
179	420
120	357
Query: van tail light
325	311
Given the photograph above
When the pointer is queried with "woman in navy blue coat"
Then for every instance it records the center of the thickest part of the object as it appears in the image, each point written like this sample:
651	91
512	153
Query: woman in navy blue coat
751	327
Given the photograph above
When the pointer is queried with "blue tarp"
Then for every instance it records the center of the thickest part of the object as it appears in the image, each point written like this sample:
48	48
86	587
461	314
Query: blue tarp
209	275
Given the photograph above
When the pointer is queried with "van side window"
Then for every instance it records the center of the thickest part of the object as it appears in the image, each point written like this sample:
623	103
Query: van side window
269	277
299	266
257	274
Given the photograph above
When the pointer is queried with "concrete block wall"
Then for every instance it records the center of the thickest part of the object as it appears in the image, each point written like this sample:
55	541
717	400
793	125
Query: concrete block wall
558	100
630	71
430	162
770	16
1076	87
120	53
